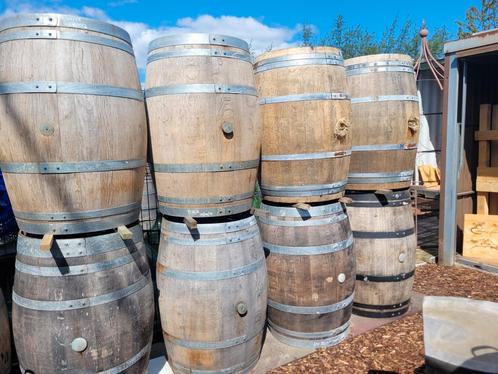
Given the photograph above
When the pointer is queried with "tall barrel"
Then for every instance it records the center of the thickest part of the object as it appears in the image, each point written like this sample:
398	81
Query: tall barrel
5	354
306	112
310	273
212	282
148	212
204	124
85	307
72	123
385	121
385	244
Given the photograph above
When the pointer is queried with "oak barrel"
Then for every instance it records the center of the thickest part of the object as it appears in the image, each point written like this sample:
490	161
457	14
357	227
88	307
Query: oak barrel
385	244
385	121
85	306
204	123
306	144
213	285
72	123
5	354
311	273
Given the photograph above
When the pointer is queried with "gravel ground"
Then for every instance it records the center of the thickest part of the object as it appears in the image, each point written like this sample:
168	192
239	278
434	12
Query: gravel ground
397	347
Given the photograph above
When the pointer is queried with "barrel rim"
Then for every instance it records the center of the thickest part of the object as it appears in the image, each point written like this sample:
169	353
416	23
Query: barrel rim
197	38
298	50
379	57
64	20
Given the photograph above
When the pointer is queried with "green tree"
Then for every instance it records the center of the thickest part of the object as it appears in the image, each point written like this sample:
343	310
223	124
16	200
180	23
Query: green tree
307	36
482	19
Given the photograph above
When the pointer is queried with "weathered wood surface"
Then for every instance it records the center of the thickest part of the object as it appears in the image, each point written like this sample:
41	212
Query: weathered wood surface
213	292
203	128
97	288
484	155
385	248
70	127
314	269
480	238
5	350
382	121
303	126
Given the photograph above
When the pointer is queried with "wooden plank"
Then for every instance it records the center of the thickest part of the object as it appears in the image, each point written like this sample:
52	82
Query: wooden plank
125	233
483	135
487	179
483	158
493	159
47	242
480	237
190	222
302	206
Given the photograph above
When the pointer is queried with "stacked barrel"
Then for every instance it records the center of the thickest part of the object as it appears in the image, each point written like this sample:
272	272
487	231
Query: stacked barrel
205	131
385	117
73	130
306	148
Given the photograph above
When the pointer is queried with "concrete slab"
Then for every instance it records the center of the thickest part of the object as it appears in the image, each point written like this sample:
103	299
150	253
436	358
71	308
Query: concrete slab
275	353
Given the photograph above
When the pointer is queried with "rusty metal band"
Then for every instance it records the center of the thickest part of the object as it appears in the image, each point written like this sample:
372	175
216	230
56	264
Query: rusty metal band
64	20
198	38
69	167
59	305
64	35
306	156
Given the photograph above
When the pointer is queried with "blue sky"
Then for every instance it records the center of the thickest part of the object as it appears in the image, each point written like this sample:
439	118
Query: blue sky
262	23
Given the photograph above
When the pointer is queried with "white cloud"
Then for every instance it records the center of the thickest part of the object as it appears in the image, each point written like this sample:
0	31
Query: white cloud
259	35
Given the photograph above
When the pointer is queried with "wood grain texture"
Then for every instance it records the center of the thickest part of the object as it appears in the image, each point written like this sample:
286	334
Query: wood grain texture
203	311
480	238
485	111
5	350
308	280
493	159
309	126
187	128
383	256
487	179
83	127
115	331
382	122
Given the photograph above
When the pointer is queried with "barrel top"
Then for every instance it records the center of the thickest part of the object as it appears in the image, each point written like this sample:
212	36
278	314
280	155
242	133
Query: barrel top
63	20
198	38
298	50
378	58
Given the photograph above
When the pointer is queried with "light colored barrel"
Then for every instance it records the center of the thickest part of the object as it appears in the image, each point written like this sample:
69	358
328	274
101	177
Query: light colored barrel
385	121
306	112
311	273
73	124
212	295
204	123
5	353
86	306
385	244
148	213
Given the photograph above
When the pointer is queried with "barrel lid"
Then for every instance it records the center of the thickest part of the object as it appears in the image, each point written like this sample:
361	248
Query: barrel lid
379	58
198	38
63	20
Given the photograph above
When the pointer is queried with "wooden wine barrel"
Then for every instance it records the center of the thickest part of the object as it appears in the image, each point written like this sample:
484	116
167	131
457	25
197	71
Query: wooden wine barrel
212	284
204	123
5	354
148	212
385	244
385	121
86	306
311	273
73	124
306	144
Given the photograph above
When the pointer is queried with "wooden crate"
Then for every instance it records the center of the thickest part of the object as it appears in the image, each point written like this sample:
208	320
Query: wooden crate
480	238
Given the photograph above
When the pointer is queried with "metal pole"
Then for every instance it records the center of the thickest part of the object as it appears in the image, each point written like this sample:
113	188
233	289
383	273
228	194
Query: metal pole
447	252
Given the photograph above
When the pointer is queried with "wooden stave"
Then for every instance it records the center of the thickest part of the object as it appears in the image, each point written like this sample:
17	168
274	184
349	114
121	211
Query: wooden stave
74	187
299	172
381	161
332	327
30	324
232	359
382	299
215	193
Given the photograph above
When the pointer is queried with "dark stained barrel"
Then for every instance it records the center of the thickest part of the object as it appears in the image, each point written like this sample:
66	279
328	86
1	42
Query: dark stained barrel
86	306
385	244
213	285
311	273
5	354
